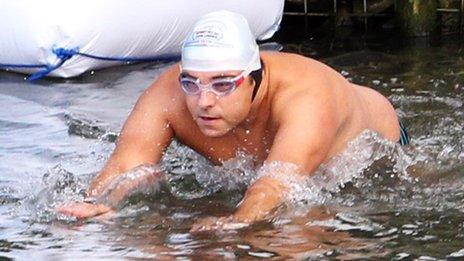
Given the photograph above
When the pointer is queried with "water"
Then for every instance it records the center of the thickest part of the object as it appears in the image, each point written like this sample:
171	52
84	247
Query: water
376	200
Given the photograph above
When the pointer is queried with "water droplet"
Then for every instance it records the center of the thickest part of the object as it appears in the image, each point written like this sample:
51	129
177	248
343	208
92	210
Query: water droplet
261	254
247	247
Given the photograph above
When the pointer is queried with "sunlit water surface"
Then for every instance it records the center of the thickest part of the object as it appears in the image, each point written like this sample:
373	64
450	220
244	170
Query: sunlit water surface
376	200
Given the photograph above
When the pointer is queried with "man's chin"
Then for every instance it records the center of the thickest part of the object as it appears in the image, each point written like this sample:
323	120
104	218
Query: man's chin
213	133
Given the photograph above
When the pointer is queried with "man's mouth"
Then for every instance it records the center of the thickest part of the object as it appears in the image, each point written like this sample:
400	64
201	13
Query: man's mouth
208	118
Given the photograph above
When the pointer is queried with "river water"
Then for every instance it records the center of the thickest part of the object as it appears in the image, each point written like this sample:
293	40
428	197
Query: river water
375	201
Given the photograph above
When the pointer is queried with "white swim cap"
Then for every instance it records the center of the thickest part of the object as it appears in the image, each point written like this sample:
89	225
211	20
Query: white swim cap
220	41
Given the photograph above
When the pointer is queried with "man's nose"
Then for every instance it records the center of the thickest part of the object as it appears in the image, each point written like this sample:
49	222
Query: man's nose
206	99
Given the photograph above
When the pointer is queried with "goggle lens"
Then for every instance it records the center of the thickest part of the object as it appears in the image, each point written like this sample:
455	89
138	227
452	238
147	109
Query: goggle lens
219	87
189	86
223	86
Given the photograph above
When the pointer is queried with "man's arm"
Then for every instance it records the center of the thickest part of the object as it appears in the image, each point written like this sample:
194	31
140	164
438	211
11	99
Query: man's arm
143	139
306	132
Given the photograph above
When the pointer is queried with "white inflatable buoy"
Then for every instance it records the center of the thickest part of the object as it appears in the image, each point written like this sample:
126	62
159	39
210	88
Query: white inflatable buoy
57	38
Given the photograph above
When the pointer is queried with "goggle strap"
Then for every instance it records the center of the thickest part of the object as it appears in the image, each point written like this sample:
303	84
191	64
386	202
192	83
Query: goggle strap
257	76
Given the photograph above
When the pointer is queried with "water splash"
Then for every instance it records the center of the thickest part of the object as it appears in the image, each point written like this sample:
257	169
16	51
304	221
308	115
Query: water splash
142	180
184	164
325	184
58	186
371	171
193	176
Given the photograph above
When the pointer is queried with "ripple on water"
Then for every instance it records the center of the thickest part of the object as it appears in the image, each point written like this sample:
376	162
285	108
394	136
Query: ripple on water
85	128
457	255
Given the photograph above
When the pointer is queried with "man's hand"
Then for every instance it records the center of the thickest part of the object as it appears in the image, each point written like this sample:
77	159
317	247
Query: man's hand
217	224
83	210
143	178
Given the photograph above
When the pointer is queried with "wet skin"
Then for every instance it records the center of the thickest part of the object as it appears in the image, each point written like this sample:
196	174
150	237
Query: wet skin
304	113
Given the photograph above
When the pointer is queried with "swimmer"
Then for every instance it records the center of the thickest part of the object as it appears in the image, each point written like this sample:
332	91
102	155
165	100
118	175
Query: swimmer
225	96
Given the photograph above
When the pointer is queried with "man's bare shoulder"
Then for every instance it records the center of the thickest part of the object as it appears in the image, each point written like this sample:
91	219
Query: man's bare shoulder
293	73
291	61
302	86
303	103
281	55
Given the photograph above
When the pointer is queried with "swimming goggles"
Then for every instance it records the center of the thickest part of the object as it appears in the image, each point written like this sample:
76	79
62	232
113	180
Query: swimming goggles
220	87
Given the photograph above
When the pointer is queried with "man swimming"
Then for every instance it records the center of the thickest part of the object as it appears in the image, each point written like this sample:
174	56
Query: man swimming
225	96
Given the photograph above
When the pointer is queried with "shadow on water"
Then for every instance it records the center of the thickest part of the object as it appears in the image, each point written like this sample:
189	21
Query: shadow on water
377	201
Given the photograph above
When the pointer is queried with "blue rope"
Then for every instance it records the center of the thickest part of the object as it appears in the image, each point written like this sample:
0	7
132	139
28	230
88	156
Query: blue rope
7	65
66	54
128	59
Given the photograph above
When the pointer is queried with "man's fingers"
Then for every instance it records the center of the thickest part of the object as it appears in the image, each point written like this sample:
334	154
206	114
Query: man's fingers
65	210
83	210
68	209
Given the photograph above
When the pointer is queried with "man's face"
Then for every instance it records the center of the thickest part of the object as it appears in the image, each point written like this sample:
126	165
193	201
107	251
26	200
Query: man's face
216	115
